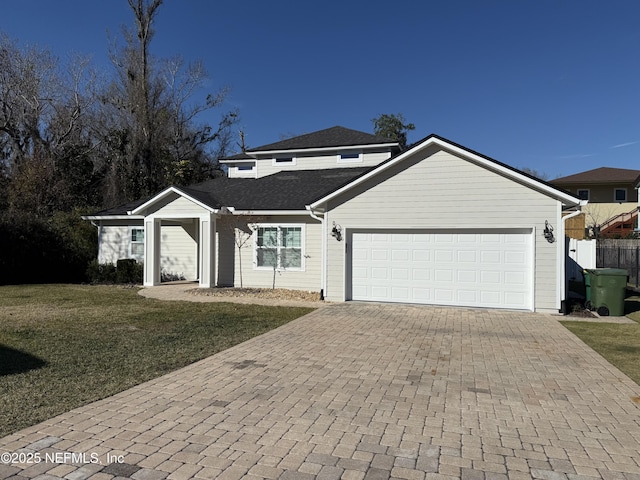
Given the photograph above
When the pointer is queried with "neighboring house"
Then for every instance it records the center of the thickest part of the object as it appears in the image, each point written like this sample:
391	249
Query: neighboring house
346	214
613	199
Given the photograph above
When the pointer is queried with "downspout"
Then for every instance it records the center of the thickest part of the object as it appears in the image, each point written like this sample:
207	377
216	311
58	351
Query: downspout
323	273
563	257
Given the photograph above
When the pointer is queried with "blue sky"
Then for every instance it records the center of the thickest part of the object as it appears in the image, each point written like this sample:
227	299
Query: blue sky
552	85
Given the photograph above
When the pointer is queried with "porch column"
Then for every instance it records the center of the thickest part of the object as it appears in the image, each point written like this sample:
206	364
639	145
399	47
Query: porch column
151	252
208	251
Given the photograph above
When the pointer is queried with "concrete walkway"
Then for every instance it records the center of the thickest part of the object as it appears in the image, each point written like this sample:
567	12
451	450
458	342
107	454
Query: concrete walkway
359	391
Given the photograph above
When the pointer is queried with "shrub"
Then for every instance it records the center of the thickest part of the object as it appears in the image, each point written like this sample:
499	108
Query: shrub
129	271
37	250
101	272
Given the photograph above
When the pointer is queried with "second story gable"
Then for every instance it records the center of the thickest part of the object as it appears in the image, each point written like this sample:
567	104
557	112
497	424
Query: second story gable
335	147
602	185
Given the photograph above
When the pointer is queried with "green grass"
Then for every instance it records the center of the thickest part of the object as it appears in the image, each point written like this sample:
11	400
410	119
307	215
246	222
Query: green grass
62	346
618	343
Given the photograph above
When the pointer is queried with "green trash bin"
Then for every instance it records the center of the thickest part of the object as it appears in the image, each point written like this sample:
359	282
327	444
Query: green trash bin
605	290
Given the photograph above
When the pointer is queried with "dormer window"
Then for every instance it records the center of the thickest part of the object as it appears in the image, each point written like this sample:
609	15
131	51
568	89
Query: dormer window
279	161
350	157
245	168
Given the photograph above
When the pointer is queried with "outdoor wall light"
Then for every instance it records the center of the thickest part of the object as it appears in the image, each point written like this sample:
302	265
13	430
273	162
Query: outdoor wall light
336	231
548	232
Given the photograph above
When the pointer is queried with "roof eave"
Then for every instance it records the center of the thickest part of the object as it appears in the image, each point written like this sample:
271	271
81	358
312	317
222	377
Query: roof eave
324	149
166	192
112	217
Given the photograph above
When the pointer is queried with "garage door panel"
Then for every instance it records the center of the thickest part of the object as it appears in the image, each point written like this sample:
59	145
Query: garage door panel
514	278
379	254
421	255
421	295
443	275
515	258
401	255
379	273
443	296
472	269
400	294
467	276
445	256
467	297
400	274
360	273
421	274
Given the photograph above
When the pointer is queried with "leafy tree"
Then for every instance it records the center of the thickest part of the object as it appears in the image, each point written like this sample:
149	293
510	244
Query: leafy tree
393	126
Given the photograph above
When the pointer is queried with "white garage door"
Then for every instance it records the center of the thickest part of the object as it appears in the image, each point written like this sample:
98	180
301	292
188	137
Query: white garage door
467	268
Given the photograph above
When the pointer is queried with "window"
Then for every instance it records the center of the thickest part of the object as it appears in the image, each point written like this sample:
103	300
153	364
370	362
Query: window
620	195
283	161
279	246
244	168
350	157
137	243
583	194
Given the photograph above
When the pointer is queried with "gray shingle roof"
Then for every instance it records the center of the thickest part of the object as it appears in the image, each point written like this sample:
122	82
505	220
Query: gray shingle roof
281	191
330	137
291	190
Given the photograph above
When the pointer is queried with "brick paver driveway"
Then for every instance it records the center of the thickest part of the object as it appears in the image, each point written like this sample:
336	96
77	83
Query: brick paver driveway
363	391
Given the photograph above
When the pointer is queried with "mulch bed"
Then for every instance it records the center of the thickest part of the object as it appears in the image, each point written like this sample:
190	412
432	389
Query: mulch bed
268	293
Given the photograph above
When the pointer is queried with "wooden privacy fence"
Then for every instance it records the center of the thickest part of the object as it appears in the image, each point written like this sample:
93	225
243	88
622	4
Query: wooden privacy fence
620	255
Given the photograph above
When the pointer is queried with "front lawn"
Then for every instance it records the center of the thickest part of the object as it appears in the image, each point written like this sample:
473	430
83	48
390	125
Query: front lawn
618	343
62	346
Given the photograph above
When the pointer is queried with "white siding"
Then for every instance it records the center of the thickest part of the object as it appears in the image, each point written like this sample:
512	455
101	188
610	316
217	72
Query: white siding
233	171
114	239
445	191
308	280
178	206
179	250
319	162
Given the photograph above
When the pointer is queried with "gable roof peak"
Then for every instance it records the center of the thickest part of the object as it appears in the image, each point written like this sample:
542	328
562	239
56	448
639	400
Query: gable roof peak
336	136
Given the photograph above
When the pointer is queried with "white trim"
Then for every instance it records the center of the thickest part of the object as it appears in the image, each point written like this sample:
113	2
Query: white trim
131	242
323	259
268	212
244	160
303	242
459	151
166	193
293	151
112	217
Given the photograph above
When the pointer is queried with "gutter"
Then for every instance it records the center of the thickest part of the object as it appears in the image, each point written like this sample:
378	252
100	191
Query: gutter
563	257
323	272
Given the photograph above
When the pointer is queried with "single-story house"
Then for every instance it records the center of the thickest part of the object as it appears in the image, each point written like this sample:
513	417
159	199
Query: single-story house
349	215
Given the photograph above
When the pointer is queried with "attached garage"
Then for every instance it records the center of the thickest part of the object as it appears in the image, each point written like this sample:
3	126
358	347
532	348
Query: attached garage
443	225
475	268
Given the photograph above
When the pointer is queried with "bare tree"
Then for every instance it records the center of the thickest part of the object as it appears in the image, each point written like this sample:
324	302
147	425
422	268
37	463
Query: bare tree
153	137
242	228
44	139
